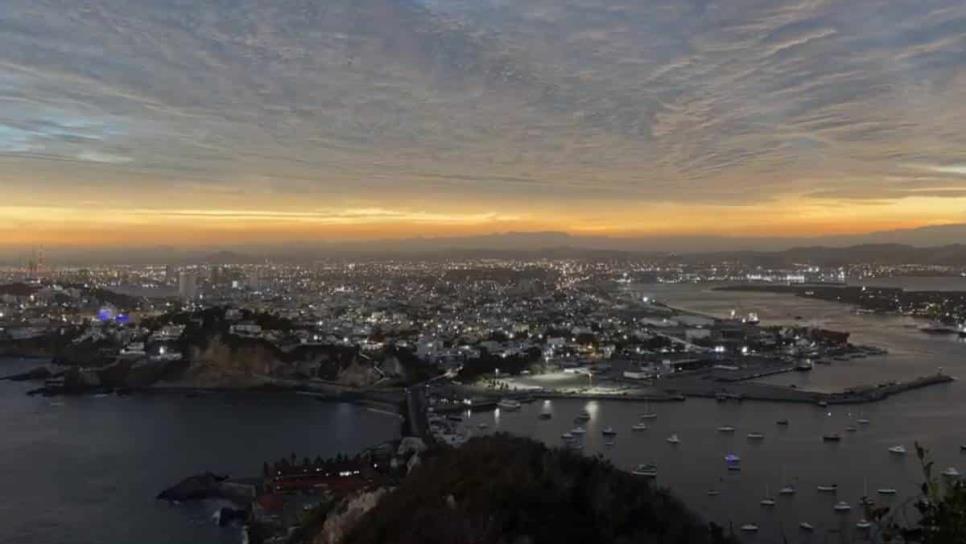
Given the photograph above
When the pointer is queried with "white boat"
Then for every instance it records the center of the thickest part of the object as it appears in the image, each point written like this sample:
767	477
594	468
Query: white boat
608	431
898	450
639	427
806	526
755	436
509	405
842	506
673	439
951	472
567	436
726	429
886	491
749	528
768	501
862	421
647	414
787	490
645	470
584	415
863	524
831	488
578	430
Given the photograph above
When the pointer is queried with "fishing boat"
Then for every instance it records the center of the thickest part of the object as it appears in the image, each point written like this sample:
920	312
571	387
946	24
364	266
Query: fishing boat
673	439
639	427
886	491
608	431
749	528
829	488
898	450
832	437
645	470
756	436
842	506
806	526
726	429
509	405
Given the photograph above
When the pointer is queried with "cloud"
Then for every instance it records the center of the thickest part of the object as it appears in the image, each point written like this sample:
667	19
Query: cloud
550	102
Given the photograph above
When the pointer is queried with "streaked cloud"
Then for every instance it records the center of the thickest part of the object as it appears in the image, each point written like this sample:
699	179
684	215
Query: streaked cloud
434	111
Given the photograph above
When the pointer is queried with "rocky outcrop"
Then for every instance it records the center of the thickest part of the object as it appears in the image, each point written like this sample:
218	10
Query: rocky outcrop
345	517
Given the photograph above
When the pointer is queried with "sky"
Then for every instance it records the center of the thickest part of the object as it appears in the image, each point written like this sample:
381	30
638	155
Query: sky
136	122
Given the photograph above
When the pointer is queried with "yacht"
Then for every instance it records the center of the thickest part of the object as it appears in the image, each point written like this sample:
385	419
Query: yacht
567	436
842	506
833	437
898	450
787	490
755	436
726	429
646	470
830	488
639	427
673	439
863	524
886	491
608	431
806	526
749	528
509	405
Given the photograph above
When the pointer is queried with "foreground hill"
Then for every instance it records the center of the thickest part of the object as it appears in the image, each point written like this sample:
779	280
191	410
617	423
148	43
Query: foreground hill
504	489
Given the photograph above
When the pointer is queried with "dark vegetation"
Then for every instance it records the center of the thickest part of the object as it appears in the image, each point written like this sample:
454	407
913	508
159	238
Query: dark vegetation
506	489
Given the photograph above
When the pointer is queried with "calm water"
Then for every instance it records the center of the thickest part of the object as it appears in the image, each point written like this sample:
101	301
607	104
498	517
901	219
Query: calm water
936	417
86	469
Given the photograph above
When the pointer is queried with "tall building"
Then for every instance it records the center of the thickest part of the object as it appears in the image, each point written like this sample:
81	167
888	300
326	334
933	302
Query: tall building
188	285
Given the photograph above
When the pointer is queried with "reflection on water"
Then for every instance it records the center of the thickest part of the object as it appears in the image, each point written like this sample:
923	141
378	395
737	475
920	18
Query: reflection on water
794	455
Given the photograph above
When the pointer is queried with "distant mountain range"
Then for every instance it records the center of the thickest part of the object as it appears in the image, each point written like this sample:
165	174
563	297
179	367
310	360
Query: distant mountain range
940	245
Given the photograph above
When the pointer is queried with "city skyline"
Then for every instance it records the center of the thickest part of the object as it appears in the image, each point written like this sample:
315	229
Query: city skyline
146	123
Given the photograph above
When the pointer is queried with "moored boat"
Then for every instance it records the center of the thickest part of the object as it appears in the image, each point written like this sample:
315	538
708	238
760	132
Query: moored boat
749	528
832	437
726	429
898	450
508	404
828	488
842	506
756	436
886	491
673	439
639	427
806	526
608	431
645	470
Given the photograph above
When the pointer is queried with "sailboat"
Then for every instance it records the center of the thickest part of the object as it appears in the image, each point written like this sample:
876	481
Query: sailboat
647	414
673	439
788	489
862	420
863	524
768	501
